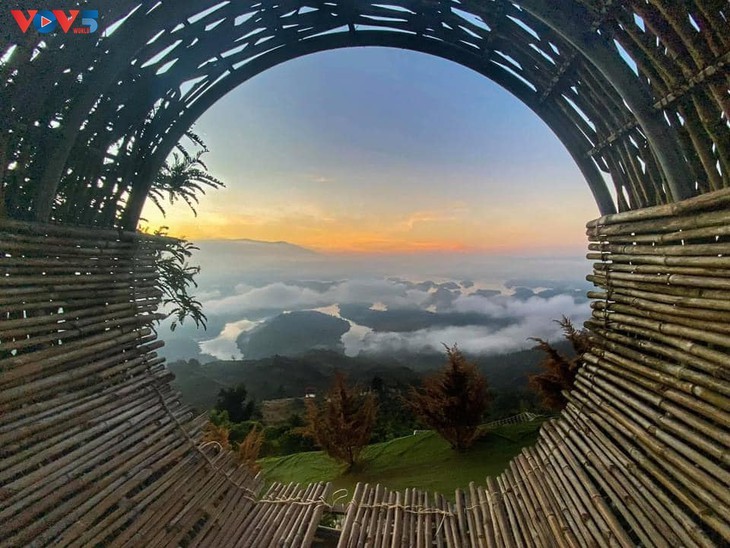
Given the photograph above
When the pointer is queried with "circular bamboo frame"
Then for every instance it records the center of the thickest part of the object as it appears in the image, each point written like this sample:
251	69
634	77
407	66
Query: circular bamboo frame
636	91
97	449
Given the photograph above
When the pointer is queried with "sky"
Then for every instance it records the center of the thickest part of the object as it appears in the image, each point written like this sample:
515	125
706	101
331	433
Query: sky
378	150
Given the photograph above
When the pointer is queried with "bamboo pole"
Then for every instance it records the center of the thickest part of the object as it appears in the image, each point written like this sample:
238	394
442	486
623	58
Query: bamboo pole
397	522
665	442
708	201
611	482
677	364
689	396
667	224
649	301
581	522
634	466
696	506
350	517
702	432
703	357
661	316
661	518
82	233
675	465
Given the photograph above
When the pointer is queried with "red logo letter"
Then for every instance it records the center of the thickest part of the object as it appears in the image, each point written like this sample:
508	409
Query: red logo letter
23	23
64	21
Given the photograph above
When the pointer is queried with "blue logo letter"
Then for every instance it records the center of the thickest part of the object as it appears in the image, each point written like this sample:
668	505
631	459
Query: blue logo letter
89	19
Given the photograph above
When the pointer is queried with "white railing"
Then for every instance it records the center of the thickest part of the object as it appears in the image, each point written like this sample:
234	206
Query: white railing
514	419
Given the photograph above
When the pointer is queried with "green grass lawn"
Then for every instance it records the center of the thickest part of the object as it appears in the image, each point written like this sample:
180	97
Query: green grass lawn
424	461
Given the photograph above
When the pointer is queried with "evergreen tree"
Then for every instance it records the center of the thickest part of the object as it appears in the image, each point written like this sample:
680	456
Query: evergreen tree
453	400
343	423
249	449
559	371
217	433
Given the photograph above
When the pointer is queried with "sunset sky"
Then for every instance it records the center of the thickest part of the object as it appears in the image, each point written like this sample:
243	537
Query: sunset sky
387	151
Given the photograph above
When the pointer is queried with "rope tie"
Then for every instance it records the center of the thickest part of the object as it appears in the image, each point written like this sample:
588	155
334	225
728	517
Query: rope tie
296	500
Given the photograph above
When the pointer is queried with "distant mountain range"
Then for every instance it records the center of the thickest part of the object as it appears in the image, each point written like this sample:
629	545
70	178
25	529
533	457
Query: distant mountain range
279	376
404	320
253	247
276	298
227	262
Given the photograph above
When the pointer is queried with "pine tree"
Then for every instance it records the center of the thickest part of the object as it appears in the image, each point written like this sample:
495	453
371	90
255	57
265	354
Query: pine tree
559	371
249	449
452	401
343	423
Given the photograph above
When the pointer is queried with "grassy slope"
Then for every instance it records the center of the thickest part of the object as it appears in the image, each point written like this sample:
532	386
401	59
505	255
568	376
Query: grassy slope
424	461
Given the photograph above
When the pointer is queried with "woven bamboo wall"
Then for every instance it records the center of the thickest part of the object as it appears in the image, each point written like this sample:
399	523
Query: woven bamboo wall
95	447
640	455
636	90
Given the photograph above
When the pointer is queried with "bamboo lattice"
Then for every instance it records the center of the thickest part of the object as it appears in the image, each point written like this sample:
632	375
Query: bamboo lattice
636	90
96	447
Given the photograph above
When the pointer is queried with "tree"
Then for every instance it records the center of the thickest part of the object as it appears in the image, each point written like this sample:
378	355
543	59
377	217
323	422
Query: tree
453	400
343	423
216	433
249	449
233	400
176	279
184	176
559	371
395	419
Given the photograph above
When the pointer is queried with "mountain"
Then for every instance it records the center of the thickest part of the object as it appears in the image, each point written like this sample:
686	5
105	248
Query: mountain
226	263
286	377
280	376
183	347
404	320
294	333
253	248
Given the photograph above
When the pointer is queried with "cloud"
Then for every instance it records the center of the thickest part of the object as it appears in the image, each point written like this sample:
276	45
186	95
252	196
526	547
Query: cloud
524	318
439	216
293	296
534	318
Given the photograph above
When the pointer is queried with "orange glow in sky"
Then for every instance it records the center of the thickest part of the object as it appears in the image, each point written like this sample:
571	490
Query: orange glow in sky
375	150
455	228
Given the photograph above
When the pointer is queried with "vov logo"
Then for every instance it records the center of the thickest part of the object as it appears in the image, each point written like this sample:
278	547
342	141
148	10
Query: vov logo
46	21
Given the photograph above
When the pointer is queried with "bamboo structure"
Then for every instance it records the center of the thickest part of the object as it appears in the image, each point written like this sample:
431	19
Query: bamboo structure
636	90
515	419
640	455
96	448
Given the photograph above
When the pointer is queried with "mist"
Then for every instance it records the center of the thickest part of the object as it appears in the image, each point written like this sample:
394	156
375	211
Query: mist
496	303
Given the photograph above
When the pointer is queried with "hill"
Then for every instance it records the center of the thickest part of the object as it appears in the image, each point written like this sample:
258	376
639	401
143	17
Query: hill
403	320
280	376
287	377
423	460
293	333
226	263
